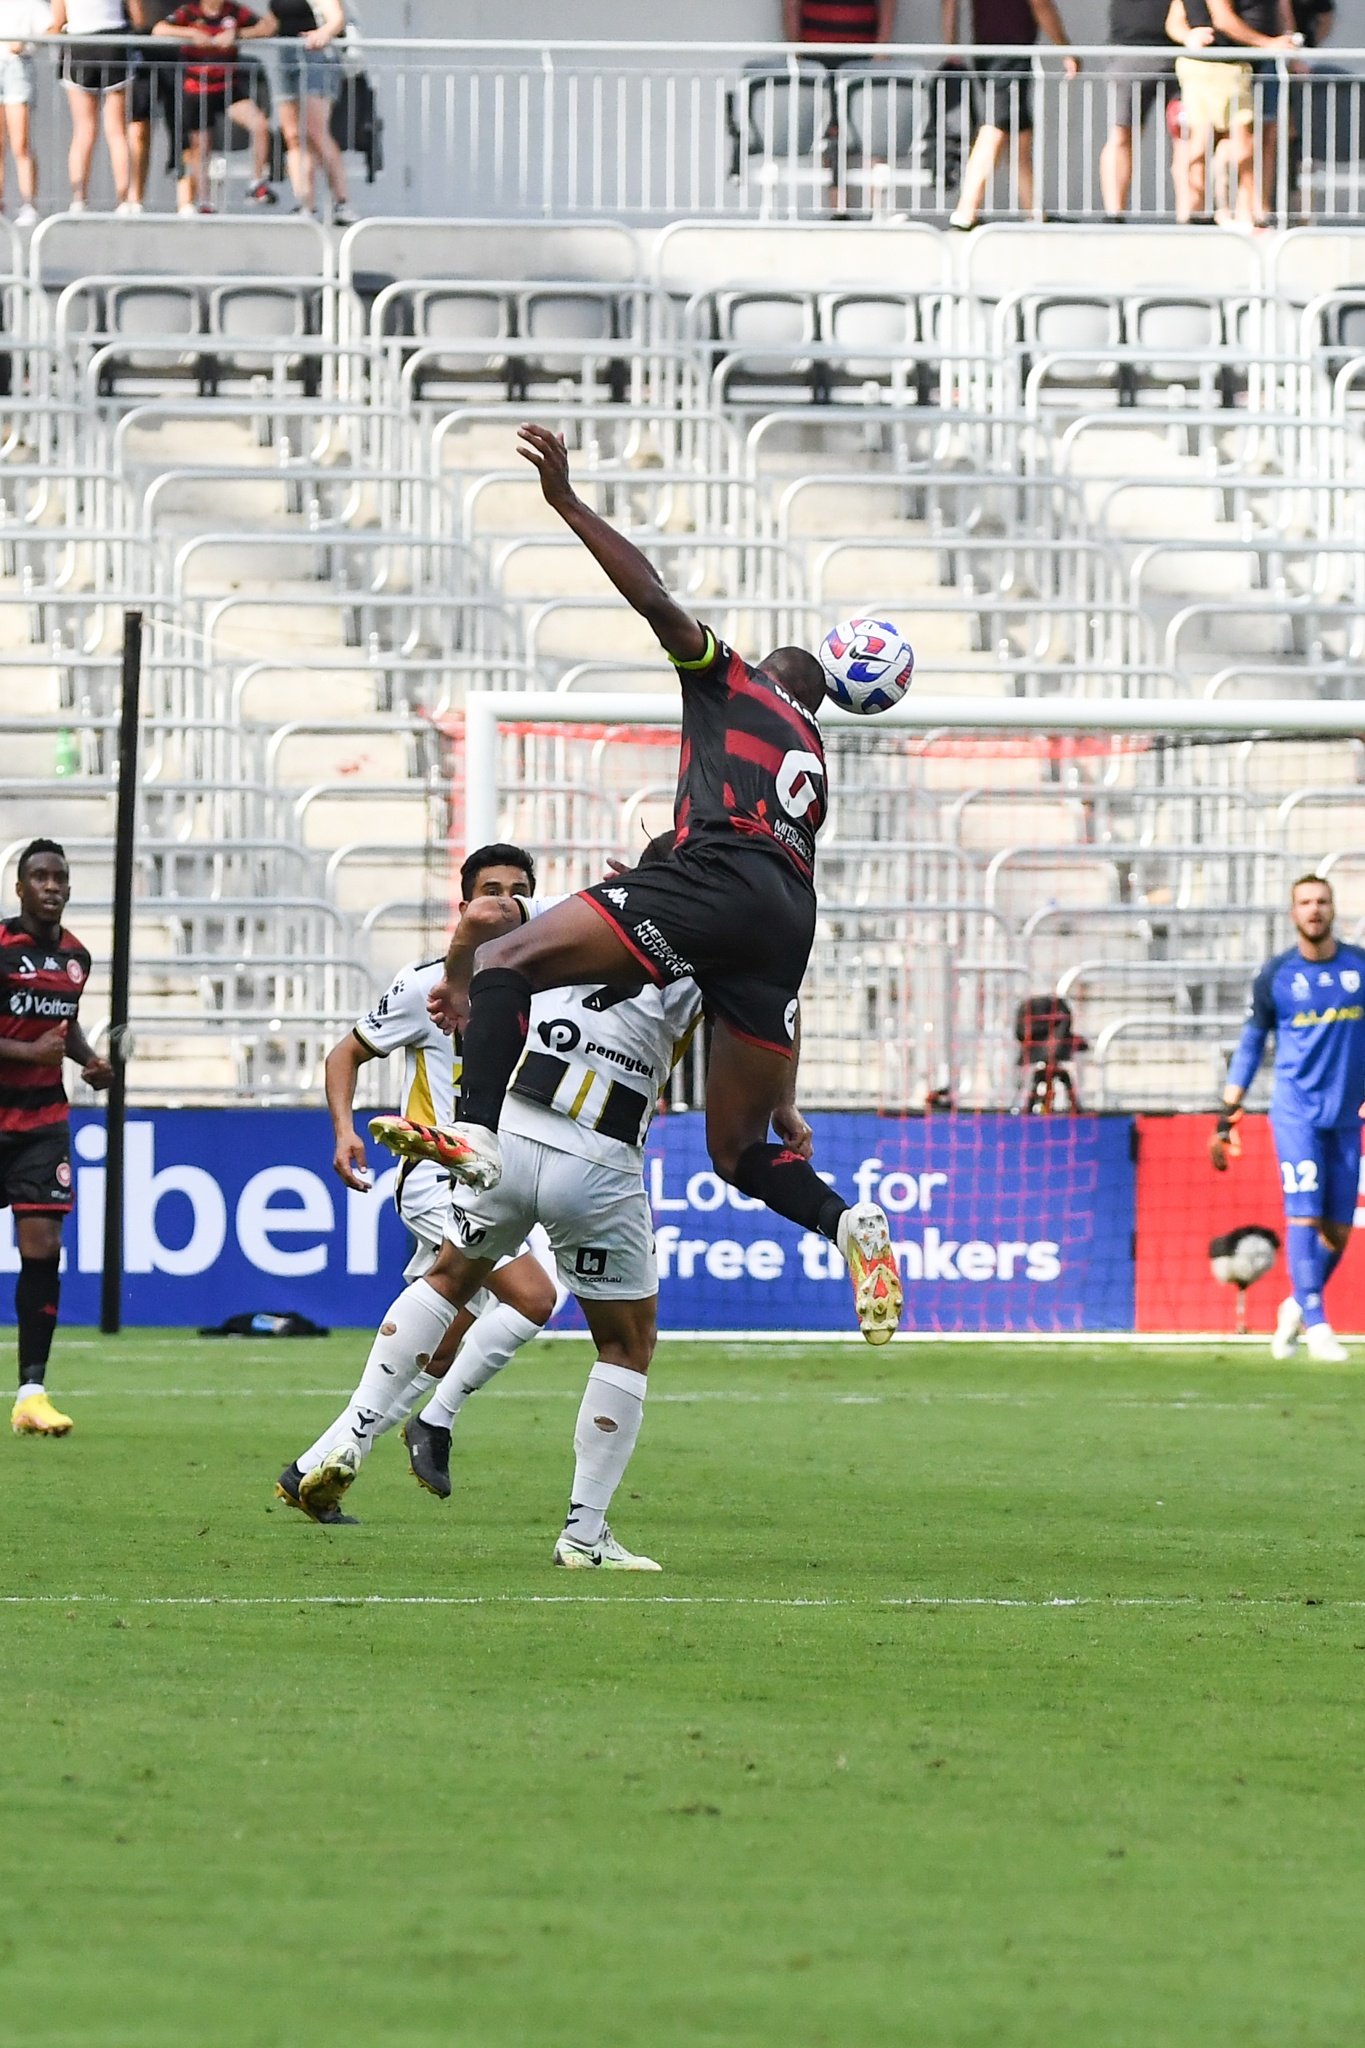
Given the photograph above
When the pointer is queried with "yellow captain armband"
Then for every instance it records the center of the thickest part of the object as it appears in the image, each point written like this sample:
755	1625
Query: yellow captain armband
704	659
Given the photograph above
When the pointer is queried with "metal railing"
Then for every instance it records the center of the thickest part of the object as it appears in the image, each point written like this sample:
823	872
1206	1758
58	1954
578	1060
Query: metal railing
649	132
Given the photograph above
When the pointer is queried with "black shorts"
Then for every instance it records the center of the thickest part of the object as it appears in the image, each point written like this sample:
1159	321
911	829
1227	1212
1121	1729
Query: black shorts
99	65
198	111
1002	89
738	918
155	78
1125	74
35	1170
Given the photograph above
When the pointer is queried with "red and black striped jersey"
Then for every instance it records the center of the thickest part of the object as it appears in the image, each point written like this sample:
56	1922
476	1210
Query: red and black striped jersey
839	21
752	764
40	986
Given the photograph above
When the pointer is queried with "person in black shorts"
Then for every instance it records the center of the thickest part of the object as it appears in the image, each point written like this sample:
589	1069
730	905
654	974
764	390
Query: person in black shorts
1133	84
214	83
43	970
97	65
1003	95
733	907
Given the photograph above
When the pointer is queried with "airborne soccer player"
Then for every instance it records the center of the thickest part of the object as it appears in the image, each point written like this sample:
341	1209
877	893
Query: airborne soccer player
733	907
43	969
1313	999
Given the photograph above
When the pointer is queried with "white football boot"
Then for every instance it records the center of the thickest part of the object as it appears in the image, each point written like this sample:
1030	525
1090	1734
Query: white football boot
1288	1329
1325	1346
606	1555
864	1243
324	1487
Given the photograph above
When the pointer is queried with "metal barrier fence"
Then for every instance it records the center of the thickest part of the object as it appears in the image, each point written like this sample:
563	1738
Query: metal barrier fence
648	132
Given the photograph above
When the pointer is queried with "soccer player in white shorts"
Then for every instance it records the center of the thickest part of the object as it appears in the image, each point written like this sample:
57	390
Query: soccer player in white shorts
520	1297
579	1107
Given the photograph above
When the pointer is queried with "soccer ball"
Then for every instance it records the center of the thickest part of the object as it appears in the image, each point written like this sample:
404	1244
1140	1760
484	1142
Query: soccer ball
868	665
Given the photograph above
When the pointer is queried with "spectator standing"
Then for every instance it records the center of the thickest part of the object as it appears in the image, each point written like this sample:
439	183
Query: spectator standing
1003	93
1217	92
309	80
98	68
1133	25
153	85
838	21
843	29
21	22
213	29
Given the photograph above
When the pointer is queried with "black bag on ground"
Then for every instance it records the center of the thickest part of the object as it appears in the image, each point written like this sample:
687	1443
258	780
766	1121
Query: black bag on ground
264	1322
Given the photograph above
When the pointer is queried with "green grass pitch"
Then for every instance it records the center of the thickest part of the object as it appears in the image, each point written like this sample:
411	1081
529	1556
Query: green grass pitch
993	1695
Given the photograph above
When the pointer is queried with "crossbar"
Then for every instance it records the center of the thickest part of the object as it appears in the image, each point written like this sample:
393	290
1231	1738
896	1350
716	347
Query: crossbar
1271	718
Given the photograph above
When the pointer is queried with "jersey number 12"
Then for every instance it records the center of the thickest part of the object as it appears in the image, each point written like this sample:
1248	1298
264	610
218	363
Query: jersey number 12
1301	1179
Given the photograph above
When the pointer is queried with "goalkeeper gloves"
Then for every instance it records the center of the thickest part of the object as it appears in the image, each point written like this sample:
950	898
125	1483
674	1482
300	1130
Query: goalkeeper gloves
1225	1143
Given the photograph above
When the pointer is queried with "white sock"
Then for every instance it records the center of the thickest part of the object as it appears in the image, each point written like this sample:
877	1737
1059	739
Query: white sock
495	1339
404	1396
408	1337
402	1404
29	1387
608	1424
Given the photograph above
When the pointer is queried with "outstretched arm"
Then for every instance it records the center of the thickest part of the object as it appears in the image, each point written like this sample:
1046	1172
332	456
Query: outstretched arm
677	632
349	1161
1242	1069
486	918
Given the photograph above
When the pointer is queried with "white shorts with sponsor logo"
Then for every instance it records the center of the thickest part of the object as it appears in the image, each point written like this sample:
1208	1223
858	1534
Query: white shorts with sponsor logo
425	1208
596	1218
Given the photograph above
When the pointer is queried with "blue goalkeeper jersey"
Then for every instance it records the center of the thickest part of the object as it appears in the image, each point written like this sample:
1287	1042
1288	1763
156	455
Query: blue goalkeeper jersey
1316	1009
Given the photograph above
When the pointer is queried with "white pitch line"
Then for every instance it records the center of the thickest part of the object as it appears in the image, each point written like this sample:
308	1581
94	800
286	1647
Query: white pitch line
1088	1600
852	1398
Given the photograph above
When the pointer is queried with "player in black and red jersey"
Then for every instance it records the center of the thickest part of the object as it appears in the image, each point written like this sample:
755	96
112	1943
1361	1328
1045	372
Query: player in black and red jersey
43	970
733	907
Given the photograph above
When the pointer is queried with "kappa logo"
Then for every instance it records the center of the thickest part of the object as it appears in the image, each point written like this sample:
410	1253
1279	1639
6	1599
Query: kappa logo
789	1018
1324	981
1350	980
616	896
561	1034
1299	985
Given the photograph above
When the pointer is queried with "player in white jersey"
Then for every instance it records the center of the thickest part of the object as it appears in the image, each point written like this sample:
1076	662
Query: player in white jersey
581	1103
520	1296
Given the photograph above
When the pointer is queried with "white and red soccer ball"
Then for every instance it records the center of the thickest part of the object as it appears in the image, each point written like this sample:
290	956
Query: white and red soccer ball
868	665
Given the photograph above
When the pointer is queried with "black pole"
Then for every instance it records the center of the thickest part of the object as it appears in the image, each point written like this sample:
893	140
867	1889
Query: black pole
111	1291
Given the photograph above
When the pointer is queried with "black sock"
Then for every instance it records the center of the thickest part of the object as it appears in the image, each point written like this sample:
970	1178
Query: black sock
791	1187
499	1018
36	1294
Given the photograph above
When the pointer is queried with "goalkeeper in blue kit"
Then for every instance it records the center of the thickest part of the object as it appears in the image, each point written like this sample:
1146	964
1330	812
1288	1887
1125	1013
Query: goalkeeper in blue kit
1313	999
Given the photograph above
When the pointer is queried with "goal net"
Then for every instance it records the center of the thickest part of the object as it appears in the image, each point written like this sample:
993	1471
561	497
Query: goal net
1035	939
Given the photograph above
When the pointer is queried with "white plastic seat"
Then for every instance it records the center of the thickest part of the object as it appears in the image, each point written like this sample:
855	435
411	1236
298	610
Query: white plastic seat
888	323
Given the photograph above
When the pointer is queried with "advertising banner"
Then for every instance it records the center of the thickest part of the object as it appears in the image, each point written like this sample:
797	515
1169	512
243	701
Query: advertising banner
999	1223
1183	1204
